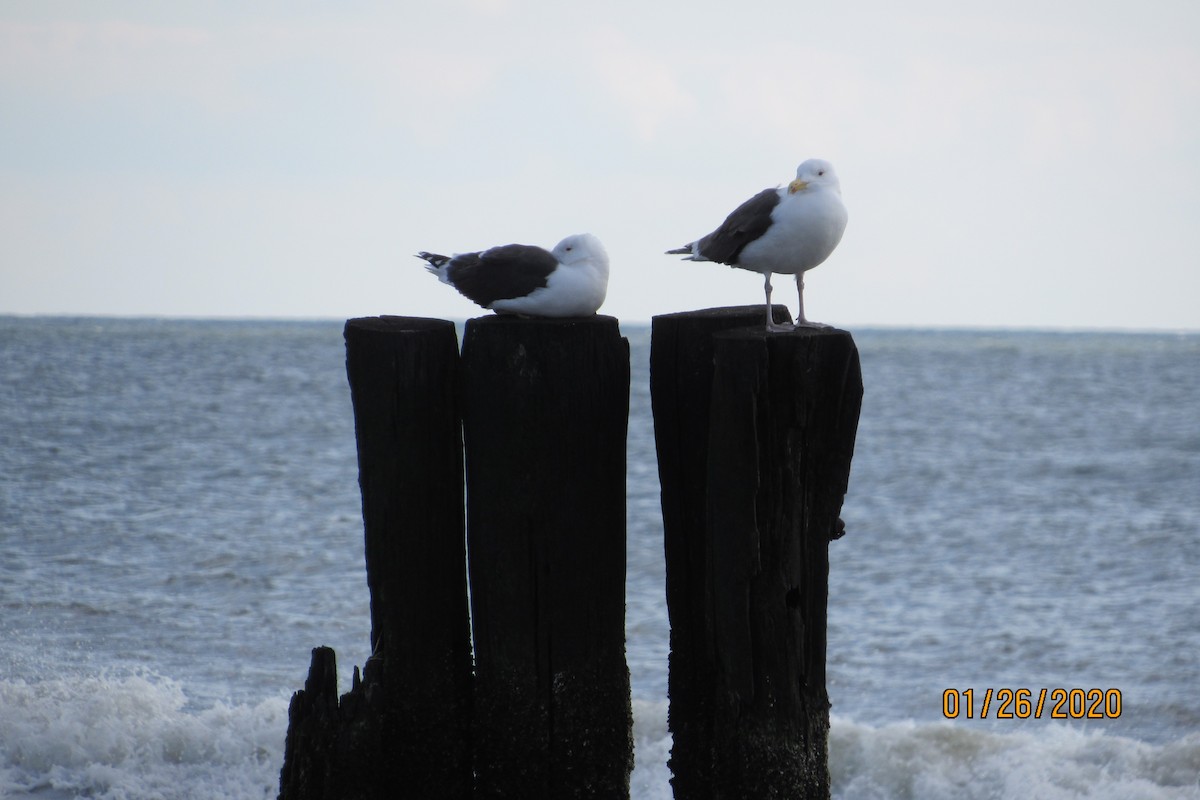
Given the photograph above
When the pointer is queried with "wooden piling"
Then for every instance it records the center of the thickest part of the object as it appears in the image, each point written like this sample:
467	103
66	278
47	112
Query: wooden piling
404	730
681	374
545	416
755	433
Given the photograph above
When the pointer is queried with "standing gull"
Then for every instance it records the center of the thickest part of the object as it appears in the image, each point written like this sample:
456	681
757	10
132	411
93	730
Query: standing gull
569	281
788	230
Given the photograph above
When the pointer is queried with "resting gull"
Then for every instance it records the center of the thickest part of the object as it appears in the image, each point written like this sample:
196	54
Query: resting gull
569	281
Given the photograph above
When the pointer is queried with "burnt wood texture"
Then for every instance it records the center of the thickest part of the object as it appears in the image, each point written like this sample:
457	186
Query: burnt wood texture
755	433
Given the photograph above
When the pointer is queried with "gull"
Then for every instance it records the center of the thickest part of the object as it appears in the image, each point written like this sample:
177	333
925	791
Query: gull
787	230
569	281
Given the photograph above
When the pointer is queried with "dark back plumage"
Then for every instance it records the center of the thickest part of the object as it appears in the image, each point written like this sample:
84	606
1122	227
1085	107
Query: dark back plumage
746	223
501	273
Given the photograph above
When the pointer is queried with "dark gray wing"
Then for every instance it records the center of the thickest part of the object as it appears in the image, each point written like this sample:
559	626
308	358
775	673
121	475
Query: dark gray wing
748	221
511	270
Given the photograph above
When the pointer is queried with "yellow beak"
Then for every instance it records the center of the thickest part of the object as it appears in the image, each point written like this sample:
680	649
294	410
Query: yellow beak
797	185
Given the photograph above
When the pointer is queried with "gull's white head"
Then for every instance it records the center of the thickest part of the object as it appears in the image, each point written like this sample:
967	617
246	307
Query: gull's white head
813	174
579	249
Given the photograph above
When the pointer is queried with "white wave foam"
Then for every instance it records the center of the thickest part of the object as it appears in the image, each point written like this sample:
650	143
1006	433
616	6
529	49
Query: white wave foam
651	779
133	737
942	761
130	737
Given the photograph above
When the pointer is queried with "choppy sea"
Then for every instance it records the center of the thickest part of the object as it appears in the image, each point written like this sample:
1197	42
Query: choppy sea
180	524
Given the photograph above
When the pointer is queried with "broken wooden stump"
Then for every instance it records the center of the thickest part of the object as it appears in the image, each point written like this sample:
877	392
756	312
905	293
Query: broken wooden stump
404	730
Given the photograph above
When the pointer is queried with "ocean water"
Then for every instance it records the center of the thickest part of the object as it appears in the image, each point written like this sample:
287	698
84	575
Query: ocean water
180	525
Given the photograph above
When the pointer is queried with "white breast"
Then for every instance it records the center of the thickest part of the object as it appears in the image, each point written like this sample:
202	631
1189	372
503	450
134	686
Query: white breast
805	228
575	290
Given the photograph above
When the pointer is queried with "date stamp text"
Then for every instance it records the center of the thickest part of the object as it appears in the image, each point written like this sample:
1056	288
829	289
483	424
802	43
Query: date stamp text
1031	703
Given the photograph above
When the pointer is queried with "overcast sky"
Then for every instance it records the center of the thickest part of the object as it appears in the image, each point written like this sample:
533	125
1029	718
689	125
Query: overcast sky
1017	164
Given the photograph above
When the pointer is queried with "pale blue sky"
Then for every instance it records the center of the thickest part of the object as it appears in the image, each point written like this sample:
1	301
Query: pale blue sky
1025	164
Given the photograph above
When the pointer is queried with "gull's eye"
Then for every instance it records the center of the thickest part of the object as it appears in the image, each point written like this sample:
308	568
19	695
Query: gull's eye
820	172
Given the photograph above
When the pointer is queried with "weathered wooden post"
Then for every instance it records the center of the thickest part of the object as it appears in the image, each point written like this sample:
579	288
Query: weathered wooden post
404	729
681	370
755	435
545	418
